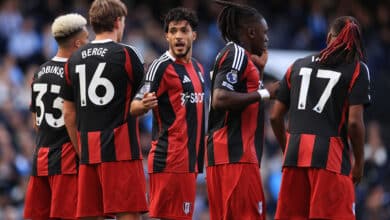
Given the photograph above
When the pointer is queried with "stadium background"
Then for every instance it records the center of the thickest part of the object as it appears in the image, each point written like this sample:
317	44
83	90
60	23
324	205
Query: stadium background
26	42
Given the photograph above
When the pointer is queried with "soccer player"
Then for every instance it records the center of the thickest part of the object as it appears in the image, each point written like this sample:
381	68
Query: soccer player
174	88
324	96
52	188
236	120
102	78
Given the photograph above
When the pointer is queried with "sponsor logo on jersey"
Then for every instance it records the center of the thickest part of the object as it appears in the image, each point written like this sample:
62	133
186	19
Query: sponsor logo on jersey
194	97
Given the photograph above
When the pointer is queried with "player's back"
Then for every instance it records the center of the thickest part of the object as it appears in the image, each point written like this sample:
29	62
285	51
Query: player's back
319	95
106	75
47	104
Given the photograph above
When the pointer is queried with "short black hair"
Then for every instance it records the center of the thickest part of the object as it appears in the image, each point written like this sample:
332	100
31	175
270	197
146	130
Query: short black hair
233	17
180	14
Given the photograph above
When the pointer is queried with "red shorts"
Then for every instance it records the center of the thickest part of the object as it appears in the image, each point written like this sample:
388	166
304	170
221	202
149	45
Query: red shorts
235	192
110	188
308	193
172	195
51	197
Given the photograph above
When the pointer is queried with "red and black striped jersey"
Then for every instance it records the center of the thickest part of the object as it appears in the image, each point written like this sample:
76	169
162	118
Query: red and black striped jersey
318	97
235	136
54	154
101	79
178	120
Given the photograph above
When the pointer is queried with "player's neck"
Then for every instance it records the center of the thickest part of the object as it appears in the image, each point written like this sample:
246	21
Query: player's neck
64	53
185	59
107	35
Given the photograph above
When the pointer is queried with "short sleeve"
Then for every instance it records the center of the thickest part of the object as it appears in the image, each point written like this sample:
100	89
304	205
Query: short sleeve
231	66
152	78
360	90
137	66
33	97
67	89
283	93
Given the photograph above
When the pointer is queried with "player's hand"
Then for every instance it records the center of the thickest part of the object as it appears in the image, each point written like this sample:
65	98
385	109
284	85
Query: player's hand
260	61
357	172
273	88
149	100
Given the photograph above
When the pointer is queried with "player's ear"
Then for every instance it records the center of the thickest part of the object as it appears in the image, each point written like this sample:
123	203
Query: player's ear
194	35
251	32
166	36
117	22
77	43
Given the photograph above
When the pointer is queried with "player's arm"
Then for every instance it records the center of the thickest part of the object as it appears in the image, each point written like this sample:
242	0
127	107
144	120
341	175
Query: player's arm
358	98
280	108
356	132
278	111
34	121
141	106
70	123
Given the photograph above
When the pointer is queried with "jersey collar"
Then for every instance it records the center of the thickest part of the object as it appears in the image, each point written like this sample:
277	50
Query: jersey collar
59	59
170	56
101	41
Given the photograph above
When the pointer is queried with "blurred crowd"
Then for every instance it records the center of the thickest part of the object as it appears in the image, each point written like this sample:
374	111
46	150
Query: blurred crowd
26	42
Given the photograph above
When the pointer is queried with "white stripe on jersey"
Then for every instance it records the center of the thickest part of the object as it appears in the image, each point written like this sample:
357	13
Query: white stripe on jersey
368	71
153	68
238	57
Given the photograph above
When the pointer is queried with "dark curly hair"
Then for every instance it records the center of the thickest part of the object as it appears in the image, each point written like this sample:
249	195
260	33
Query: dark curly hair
180	14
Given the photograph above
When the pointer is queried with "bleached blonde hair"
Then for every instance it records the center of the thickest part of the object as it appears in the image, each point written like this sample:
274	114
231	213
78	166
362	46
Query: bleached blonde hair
68	24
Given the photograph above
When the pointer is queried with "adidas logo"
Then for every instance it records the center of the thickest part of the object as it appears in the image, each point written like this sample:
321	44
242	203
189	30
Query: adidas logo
186	79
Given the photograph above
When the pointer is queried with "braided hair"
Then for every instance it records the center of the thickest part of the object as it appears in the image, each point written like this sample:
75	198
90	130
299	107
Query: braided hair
348	46
234	17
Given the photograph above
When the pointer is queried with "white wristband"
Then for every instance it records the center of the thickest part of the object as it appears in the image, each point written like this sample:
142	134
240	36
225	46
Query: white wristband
264	94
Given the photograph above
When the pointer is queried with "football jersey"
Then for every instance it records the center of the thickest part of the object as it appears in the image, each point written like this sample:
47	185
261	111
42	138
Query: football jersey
235	136
101	80
54	154
178	120
318	98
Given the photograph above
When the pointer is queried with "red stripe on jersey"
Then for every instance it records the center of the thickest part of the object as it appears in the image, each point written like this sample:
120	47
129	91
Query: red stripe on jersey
127	105
43	161
343	115
335	154
288	77
222	59
67	77
306	146
286	146
128	65
122	143
68	162
354	76
94	147
220	142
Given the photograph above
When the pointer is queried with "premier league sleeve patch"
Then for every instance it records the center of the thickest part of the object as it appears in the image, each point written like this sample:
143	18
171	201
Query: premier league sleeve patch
232	76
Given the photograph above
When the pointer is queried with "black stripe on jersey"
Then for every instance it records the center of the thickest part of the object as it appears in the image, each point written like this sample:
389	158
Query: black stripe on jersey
234	136
34	168
210	151
54	160
107	146
346	161
320	151
202	130
293	150
84	147
259	133
161	152
134	144
191	111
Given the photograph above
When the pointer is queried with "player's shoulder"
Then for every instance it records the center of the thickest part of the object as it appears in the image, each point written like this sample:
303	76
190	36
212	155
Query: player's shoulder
133	51
159	65
234	54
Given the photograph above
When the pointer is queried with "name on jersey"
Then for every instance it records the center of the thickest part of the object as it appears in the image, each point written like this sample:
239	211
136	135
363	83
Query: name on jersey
58	70
94	52
194	97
